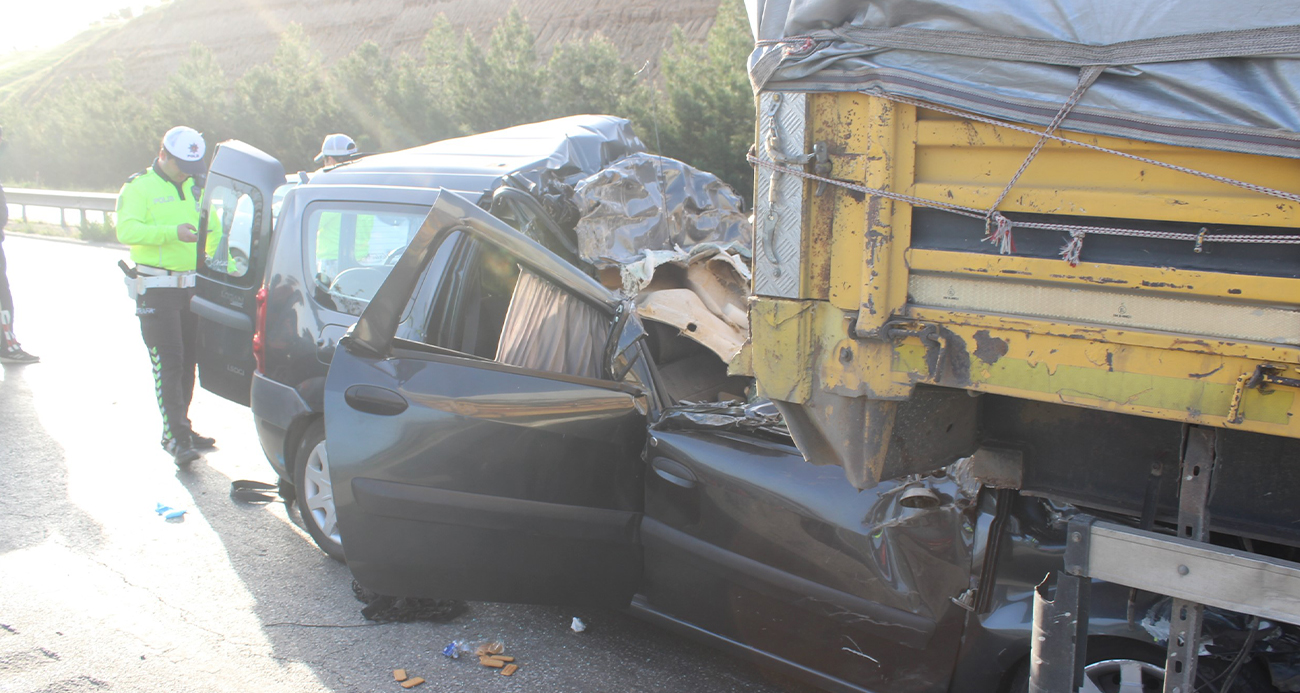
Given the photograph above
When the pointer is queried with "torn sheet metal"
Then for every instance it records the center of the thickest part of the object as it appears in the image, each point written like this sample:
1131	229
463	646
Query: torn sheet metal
704	297
652	203
758	416
683	309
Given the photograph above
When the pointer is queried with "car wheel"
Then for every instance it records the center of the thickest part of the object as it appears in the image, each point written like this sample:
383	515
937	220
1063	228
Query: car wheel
316	493
1114	665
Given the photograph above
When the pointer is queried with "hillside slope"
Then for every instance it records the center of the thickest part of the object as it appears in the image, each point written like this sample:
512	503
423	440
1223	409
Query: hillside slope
244	33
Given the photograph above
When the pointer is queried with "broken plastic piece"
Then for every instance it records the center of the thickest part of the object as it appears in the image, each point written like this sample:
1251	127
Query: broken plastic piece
412	682
246	491
491	662
578	626
399	675
490	648
454	649
509	669
169	513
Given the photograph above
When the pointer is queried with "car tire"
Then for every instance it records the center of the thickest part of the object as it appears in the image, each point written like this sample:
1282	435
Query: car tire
1111	660
315	492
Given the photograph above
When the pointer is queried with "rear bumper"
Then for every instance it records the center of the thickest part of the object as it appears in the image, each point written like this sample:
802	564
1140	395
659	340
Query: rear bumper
275	407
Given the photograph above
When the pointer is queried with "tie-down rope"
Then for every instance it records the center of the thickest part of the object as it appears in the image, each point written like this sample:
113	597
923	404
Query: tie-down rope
1001	226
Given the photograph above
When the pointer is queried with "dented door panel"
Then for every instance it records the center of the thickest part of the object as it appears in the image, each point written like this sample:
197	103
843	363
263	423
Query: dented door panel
762	548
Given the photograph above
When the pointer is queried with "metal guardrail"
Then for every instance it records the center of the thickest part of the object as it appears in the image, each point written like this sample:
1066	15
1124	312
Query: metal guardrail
61	200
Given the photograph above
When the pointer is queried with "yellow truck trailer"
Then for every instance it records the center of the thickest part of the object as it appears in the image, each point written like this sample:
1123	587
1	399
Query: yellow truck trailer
1061	237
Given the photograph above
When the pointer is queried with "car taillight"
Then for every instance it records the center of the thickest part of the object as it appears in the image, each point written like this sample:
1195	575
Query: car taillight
259	332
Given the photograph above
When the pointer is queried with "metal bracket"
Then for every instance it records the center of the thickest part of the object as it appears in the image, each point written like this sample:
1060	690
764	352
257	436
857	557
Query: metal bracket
1079	546
1193	525
821	165
1060	636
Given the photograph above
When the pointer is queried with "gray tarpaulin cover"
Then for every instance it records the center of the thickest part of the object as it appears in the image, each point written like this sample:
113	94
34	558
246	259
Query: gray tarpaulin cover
646	202
1204	73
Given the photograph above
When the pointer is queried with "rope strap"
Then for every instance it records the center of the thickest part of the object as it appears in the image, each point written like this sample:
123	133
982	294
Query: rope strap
1070	252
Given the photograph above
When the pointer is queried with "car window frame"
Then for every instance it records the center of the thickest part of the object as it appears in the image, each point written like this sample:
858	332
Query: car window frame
308	238
249	278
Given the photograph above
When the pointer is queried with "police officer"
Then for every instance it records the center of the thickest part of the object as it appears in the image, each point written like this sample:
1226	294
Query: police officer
10	350
334	150
158	216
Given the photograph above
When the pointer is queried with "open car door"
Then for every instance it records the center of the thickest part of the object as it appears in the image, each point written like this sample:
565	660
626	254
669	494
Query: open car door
234	240
496	460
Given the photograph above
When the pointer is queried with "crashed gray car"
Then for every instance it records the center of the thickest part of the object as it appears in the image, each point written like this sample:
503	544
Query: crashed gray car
540	439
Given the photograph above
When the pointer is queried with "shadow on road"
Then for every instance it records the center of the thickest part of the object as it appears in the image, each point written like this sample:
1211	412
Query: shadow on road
34	502
304	603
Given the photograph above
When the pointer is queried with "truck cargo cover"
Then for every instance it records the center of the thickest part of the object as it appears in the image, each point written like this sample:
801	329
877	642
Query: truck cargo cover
1199	73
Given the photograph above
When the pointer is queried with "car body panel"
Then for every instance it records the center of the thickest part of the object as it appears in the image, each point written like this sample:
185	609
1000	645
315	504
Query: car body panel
765	549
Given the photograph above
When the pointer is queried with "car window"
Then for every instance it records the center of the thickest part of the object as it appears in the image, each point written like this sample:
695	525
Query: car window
232	216
352	246
488	305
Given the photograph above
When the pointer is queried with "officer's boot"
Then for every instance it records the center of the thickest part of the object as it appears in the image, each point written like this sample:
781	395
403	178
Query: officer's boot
10	351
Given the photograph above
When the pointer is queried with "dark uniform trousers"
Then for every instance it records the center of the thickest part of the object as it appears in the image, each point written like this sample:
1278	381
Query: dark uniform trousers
170	332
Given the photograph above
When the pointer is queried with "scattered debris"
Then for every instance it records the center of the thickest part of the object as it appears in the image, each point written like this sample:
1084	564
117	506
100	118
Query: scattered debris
412	682
384	609
454	649
509	669
491	662
399	675
490	648
246	491
577	626
761	416
169	513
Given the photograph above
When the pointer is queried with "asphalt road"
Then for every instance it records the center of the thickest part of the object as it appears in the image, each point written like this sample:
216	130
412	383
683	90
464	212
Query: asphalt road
98	592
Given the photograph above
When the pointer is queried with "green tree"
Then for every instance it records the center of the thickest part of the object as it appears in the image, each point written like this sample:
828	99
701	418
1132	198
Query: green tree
94	133
285	108
418	93
587	77
711	121
502	87
363	77
197	95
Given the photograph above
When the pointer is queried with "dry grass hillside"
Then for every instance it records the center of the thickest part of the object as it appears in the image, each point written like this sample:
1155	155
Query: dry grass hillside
244	33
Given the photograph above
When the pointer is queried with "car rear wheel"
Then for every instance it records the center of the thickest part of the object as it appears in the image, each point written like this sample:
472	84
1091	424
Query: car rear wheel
316	493
1114	665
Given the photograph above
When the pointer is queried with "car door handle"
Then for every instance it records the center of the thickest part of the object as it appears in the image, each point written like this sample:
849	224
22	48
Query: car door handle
375	400
673	472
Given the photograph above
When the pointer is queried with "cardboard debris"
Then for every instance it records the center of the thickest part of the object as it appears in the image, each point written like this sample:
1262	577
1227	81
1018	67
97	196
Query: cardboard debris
412	683
491	662
399	675
509	669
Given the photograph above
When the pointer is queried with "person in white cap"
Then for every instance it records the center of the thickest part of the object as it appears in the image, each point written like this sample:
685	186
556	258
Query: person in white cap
336	149
158	216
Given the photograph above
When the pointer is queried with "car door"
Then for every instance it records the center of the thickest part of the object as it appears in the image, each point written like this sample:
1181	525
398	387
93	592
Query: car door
234	241
495	460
